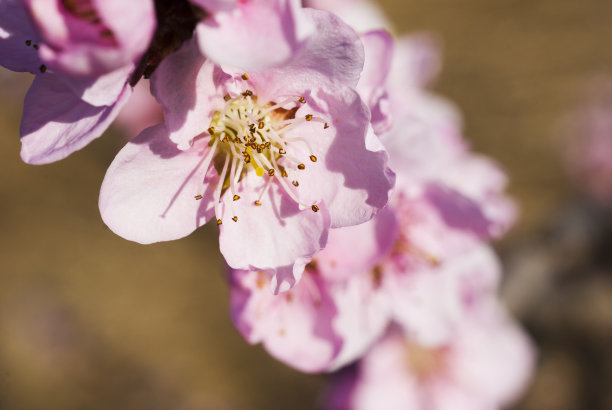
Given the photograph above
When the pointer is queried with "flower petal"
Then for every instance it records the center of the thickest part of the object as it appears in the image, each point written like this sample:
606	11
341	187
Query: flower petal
148	192
356	249
15	30
56	123
378	46
189	88
332	56
277	237
253	36
350	176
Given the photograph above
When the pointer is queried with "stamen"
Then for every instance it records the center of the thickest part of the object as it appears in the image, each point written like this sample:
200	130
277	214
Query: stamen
235	219
245	76
301	166
313	158
315	208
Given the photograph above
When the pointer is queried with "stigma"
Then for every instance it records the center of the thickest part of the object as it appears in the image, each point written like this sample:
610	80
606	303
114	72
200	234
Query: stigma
249	135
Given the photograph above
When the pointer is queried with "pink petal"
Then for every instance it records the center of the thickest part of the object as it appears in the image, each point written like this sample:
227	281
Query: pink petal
332	56
56	123
350	176
190	89
96	37
255	35
277	237
148	192
317	326
15	29
378	47
352	250
215	5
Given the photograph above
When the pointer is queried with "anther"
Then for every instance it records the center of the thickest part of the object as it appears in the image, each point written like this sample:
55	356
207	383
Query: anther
219	222
235	219
42	68
35	46
211	130
282	151
284	173
302	100
247	93
301	166
236	197
315	208
261	125
257	203
308	117
227	97
313	158
198	197
295	183
28	43
326	126
271	172
245	76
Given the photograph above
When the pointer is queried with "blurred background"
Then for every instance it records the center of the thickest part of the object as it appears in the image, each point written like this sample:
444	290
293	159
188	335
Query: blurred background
91	321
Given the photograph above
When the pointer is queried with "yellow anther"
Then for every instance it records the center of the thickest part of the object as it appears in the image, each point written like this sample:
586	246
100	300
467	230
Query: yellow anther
326	126
301	166
219	222
235	219
315	208
257	203
245	76
227	97
313	158
308	117
261	125
211	130
198	197
302	100
236	197
282	151
271	172
284	173
295	183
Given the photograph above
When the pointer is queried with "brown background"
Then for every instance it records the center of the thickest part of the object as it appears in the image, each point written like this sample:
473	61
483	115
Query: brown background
91	321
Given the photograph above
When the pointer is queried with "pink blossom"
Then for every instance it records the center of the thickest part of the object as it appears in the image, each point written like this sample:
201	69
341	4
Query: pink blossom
278	155
424	255
484	367
587	142
81	70
252	34
333	316
92	37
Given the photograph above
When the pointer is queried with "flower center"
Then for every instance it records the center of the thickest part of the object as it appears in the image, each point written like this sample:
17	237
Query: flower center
248	136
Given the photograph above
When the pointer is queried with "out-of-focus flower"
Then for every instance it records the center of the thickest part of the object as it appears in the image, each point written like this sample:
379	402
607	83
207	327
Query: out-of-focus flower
82	54
140	112
278	155
587	146
485	366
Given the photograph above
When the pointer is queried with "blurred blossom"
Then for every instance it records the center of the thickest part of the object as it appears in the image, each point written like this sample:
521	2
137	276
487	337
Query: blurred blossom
485	366
141	111
588	142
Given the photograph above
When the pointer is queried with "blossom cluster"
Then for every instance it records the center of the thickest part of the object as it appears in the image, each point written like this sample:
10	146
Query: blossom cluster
353	217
